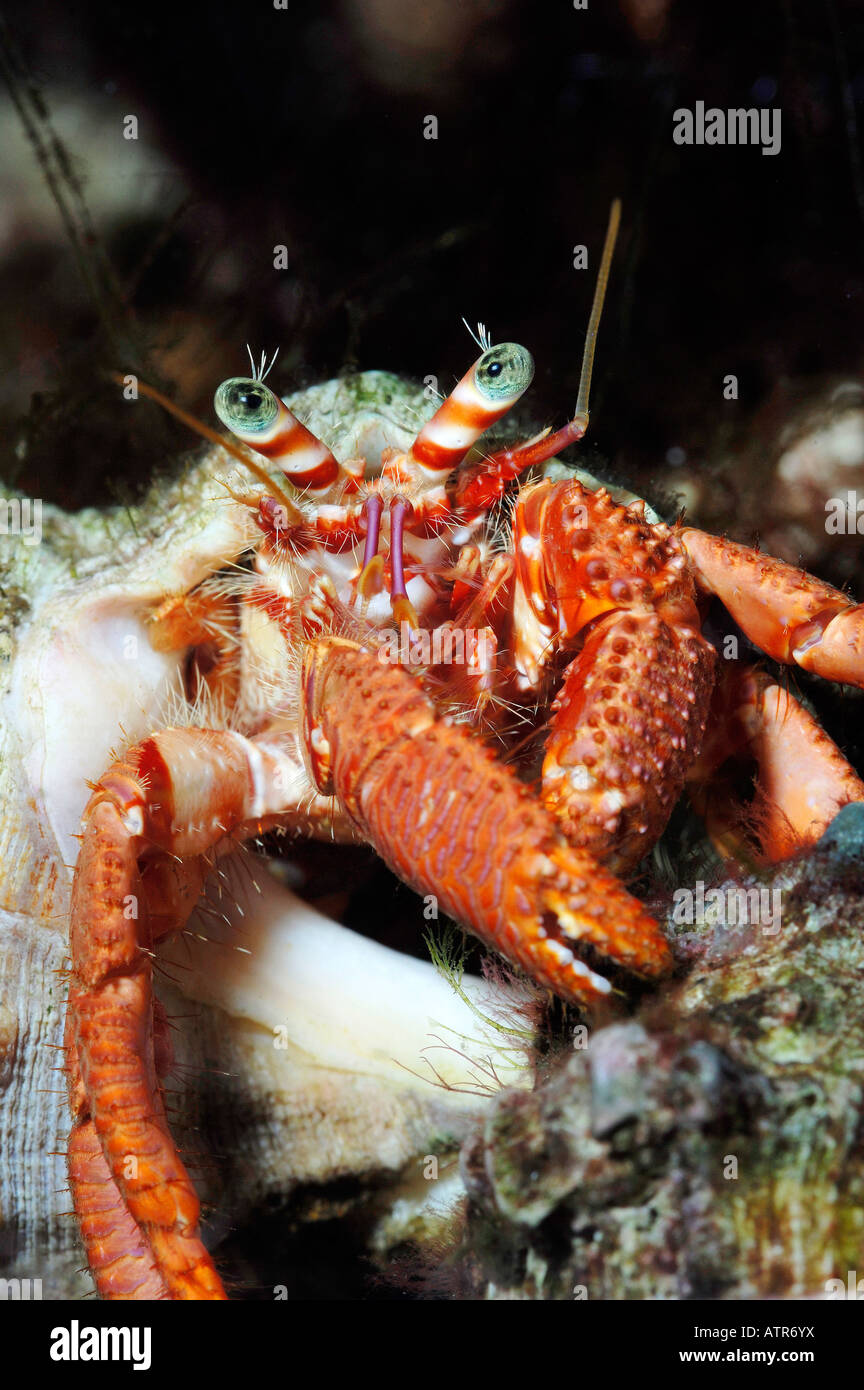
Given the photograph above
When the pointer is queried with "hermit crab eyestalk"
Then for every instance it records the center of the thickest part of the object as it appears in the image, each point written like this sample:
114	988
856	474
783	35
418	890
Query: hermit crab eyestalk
504	372
256	415
247	408
485	393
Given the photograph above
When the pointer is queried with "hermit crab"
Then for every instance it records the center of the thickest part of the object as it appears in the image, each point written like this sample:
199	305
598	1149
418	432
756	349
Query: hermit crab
382	664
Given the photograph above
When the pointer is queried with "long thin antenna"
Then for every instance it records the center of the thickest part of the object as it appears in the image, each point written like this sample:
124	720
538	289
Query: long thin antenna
295	515
581	415
479	487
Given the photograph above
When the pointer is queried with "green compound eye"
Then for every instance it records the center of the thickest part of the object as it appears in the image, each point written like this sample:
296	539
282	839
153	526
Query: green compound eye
505	370
246	406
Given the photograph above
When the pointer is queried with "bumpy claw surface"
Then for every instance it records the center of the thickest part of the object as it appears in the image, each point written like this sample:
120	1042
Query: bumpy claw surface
452	821
788	613
626	724
579	555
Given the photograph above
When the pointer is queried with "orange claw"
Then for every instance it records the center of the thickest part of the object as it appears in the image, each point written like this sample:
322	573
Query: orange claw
789	614
627	722
803	779
479	841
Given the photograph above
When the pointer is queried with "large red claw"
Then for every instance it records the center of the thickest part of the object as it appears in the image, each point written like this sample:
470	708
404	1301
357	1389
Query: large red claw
452	821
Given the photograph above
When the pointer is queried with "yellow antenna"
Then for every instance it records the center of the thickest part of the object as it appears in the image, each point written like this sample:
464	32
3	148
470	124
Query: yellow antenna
581	416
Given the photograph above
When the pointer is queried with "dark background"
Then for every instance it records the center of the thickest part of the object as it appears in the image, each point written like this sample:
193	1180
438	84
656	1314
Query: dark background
305	127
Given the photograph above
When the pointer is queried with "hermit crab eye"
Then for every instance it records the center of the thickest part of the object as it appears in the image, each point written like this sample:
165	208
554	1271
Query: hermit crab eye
505	370
246	406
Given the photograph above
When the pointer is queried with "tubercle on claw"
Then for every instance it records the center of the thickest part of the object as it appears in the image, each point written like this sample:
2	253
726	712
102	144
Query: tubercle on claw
790	615
522	888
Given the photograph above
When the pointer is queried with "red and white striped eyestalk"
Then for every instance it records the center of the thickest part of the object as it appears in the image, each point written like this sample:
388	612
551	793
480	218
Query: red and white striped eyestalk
255	414
485	393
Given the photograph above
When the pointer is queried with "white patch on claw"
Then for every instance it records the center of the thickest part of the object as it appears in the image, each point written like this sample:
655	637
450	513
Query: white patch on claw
580	778
579	968
562	953
320	745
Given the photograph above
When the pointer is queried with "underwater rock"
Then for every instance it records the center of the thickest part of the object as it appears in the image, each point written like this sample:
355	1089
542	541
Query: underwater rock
712	1147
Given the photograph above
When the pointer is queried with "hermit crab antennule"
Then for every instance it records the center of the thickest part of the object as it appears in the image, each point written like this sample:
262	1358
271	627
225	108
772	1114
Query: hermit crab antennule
485	393
371	576
257	416
403	610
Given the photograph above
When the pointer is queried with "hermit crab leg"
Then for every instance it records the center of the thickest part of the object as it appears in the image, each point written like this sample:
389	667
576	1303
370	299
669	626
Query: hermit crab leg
479	841
139	873
119	1255
803	779
789	614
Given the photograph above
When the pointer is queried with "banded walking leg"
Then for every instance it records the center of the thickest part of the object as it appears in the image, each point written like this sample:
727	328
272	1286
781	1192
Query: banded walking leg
139	874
